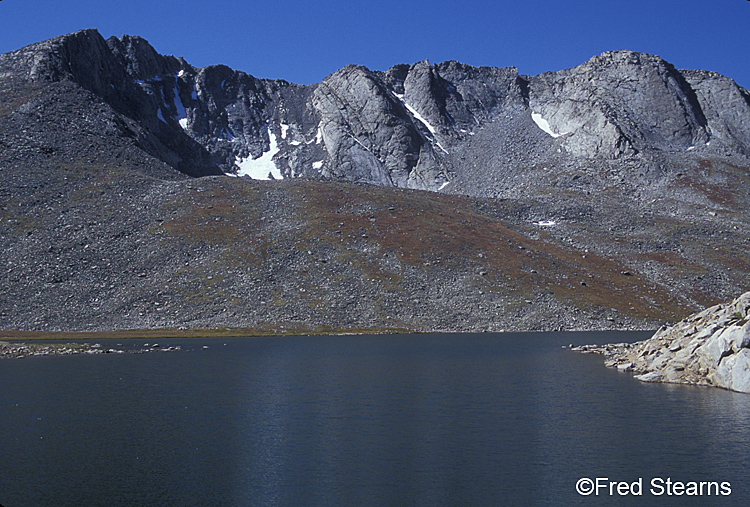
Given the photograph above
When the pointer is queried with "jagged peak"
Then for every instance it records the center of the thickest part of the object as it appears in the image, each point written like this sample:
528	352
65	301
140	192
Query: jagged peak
352	68
623	57
78	35
141	60
52	59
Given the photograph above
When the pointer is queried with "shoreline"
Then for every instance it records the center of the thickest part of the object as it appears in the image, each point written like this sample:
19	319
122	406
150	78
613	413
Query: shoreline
11	350
63	343
124	334
229	332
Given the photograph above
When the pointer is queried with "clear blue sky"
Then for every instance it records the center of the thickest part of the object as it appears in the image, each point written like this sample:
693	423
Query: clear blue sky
304	41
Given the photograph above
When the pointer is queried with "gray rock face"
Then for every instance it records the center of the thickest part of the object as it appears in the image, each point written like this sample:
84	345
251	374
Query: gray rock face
415	126
710	348
725	105
617	104
369	135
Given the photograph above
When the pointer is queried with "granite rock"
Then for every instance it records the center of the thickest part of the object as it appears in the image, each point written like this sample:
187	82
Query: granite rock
709	348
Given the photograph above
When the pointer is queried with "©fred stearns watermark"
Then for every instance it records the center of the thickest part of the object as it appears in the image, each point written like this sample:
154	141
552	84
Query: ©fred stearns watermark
658	486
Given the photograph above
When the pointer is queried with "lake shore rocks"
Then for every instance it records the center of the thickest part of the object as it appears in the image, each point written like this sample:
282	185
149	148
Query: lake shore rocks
709	348
18	350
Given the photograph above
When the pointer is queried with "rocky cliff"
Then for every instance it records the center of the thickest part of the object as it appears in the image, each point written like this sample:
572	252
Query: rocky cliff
613	194
709	348
410	126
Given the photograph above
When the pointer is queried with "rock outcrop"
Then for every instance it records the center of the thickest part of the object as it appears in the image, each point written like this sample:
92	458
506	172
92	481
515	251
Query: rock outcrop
412	126
619	103
709	348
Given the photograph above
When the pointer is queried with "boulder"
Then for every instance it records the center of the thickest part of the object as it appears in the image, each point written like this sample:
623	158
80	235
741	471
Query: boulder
710	348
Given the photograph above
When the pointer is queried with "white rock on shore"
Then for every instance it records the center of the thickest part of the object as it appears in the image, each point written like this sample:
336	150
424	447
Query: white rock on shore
710	348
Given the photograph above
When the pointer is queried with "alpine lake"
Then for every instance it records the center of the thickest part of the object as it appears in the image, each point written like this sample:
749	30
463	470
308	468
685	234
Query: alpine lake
370	420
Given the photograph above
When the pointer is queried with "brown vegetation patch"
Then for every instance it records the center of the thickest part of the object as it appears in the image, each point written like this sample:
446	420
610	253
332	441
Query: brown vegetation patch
446	232
718	181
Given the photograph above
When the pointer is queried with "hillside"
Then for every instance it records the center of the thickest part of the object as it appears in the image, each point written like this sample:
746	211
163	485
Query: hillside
136	194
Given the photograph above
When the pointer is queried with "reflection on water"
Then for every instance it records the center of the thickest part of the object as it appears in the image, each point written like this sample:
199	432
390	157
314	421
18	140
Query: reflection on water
488	419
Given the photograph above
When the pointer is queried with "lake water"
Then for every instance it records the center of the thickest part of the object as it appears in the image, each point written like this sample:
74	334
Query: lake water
398	420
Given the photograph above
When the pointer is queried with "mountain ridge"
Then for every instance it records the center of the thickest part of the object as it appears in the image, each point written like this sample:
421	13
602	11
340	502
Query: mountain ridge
624	177
417	113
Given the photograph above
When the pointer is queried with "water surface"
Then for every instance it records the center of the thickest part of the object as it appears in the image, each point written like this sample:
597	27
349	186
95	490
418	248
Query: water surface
473	419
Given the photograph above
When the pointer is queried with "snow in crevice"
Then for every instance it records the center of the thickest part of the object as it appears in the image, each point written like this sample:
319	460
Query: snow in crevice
444	185
361	144
416	114
155	79
180	108
160	115
423	120
544	125
263	166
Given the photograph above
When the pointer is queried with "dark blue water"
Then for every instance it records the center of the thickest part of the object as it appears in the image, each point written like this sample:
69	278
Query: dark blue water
412	420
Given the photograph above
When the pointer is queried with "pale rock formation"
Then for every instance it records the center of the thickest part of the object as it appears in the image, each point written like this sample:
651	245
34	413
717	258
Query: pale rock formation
709	348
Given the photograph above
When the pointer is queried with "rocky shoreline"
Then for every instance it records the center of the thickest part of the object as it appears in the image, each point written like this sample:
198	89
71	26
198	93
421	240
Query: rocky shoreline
19	350
709	348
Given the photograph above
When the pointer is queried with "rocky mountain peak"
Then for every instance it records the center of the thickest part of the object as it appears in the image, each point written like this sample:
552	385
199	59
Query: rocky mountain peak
620	103
140	59
409	126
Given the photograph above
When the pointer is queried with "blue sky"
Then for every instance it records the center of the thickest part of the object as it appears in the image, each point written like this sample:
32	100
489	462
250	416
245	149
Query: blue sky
303	42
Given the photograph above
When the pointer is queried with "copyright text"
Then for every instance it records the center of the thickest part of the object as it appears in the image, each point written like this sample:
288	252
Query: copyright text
603	486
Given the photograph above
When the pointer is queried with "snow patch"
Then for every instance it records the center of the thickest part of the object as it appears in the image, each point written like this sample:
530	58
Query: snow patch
416	114
318	165
691	148
284	128
318	137
544	125
295	143
181	73
546	223
263	166
181	112
361	144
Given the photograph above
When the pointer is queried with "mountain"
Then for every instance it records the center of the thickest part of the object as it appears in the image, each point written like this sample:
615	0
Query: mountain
427	196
